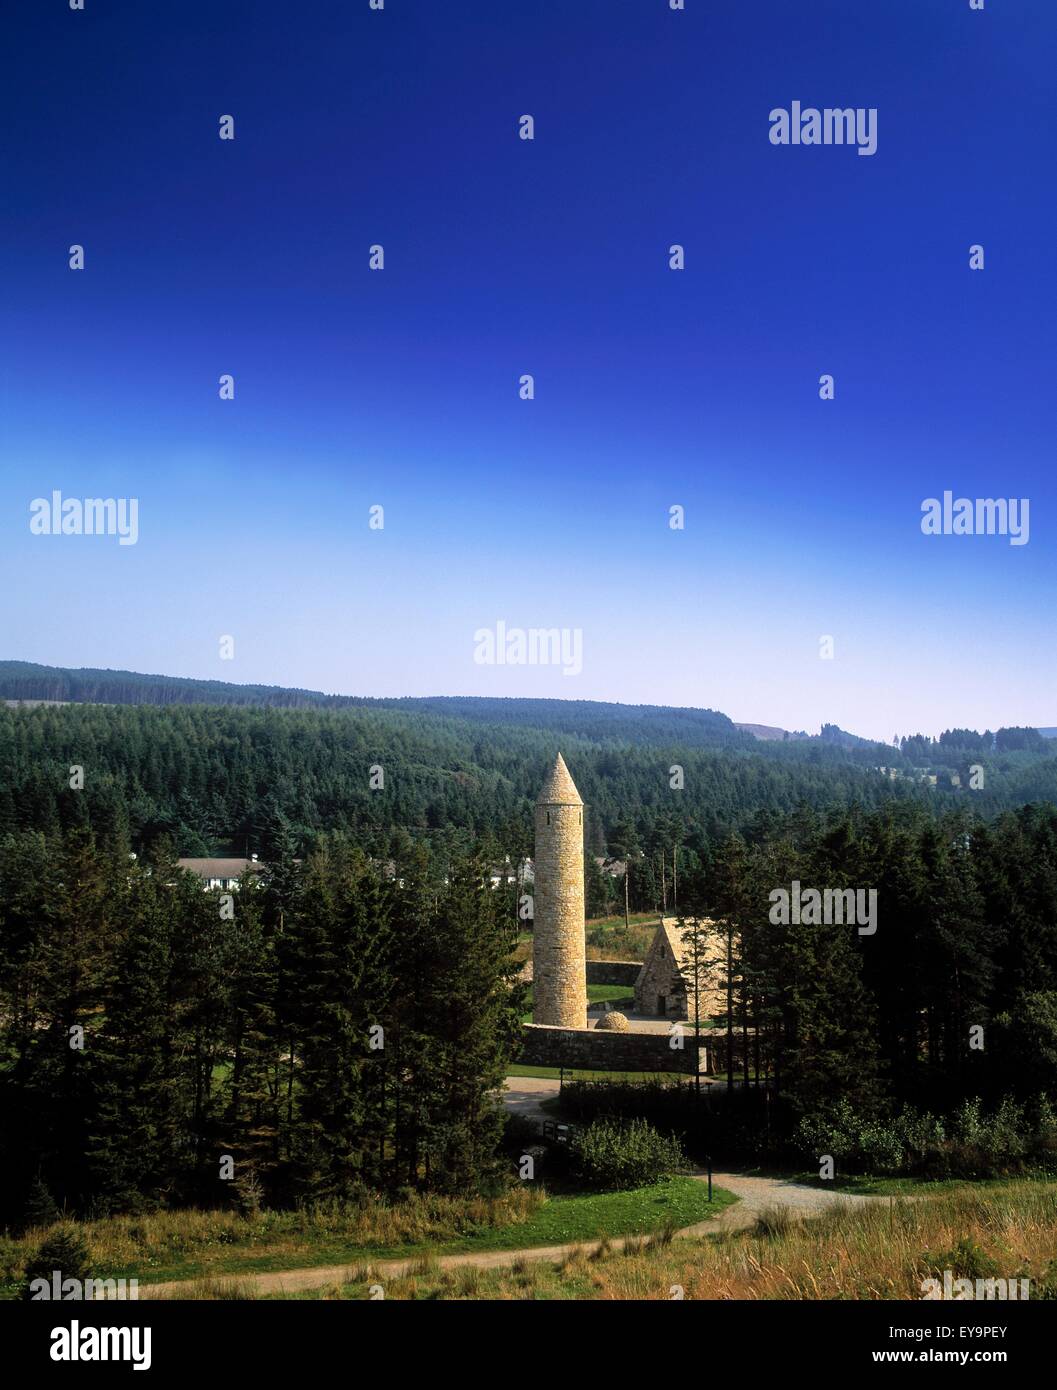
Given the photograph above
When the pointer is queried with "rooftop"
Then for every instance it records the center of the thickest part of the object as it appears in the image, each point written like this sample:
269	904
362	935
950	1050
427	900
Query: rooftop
220	868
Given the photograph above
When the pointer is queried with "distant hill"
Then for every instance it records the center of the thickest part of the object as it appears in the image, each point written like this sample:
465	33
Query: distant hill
27	683
767	733
25	680
1048	733
658	724
212	765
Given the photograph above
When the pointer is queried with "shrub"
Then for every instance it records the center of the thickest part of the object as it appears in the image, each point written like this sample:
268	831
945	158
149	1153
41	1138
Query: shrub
988	1145
64	1250
614	1154
966	1260
920	1133
878	1148
859	1142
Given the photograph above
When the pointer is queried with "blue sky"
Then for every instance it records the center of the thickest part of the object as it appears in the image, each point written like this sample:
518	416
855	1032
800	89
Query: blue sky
654	387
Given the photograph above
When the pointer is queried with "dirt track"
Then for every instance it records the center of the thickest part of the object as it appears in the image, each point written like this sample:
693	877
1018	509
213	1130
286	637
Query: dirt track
524	1095
755	1194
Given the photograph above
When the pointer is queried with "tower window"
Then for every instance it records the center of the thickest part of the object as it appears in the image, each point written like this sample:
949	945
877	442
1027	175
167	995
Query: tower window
548	818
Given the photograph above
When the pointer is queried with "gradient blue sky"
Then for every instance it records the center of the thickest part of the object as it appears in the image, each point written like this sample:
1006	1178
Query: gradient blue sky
652	387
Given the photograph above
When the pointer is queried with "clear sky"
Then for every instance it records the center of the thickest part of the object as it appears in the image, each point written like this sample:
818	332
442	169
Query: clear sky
503	256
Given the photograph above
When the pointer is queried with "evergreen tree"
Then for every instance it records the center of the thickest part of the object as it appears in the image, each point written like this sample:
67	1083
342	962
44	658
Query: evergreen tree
133	1135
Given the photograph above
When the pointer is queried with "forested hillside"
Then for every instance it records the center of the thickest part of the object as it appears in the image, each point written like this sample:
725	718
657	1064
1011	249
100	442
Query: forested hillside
215	778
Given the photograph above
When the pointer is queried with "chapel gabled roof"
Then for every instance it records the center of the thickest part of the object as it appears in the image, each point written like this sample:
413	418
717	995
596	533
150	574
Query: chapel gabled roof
670	932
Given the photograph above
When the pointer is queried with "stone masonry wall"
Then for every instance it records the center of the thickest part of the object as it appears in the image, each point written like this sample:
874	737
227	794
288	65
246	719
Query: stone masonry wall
613	972
591	1050
559	984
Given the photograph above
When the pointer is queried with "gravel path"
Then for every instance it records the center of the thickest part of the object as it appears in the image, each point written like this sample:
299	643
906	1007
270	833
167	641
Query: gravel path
524	1095
756	1194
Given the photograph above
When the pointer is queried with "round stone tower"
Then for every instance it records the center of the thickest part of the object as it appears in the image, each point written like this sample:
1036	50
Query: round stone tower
559	971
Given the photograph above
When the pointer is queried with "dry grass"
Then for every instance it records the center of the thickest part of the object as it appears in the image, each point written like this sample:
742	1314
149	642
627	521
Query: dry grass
468	1282
621	943
154	1245
879	1250
775	1221
214	1290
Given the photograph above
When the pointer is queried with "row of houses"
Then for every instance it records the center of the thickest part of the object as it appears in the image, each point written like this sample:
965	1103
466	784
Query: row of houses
227	872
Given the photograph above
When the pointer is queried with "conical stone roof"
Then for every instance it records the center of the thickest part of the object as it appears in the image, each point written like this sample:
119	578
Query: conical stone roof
558	788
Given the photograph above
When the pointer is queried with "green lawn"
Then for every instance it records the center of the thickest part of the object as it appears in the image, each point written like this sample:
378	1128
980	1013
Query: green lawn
587	1216
614	994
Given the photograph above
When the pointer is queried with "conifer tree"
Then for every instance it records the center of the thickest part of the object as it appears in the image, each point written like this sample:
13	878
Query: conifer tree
133	1134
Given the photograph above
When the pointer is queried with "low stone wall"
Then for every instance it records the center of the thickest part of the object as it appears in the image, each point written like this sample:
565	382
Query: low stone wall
613	972
592	1050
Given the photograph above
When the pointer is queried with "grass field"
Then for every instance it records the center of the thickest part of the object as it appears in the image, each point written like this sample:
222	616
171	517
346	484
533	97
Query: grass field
637	919
879	1250
607	938
197	1244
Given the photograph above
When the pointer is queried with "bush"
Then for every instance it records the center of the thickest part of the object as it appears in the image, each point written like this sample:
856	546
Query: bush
966	1260
614	1154
862	1143
64	1250
988	1145
737	1132
921	1134
879	1149
973	1145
